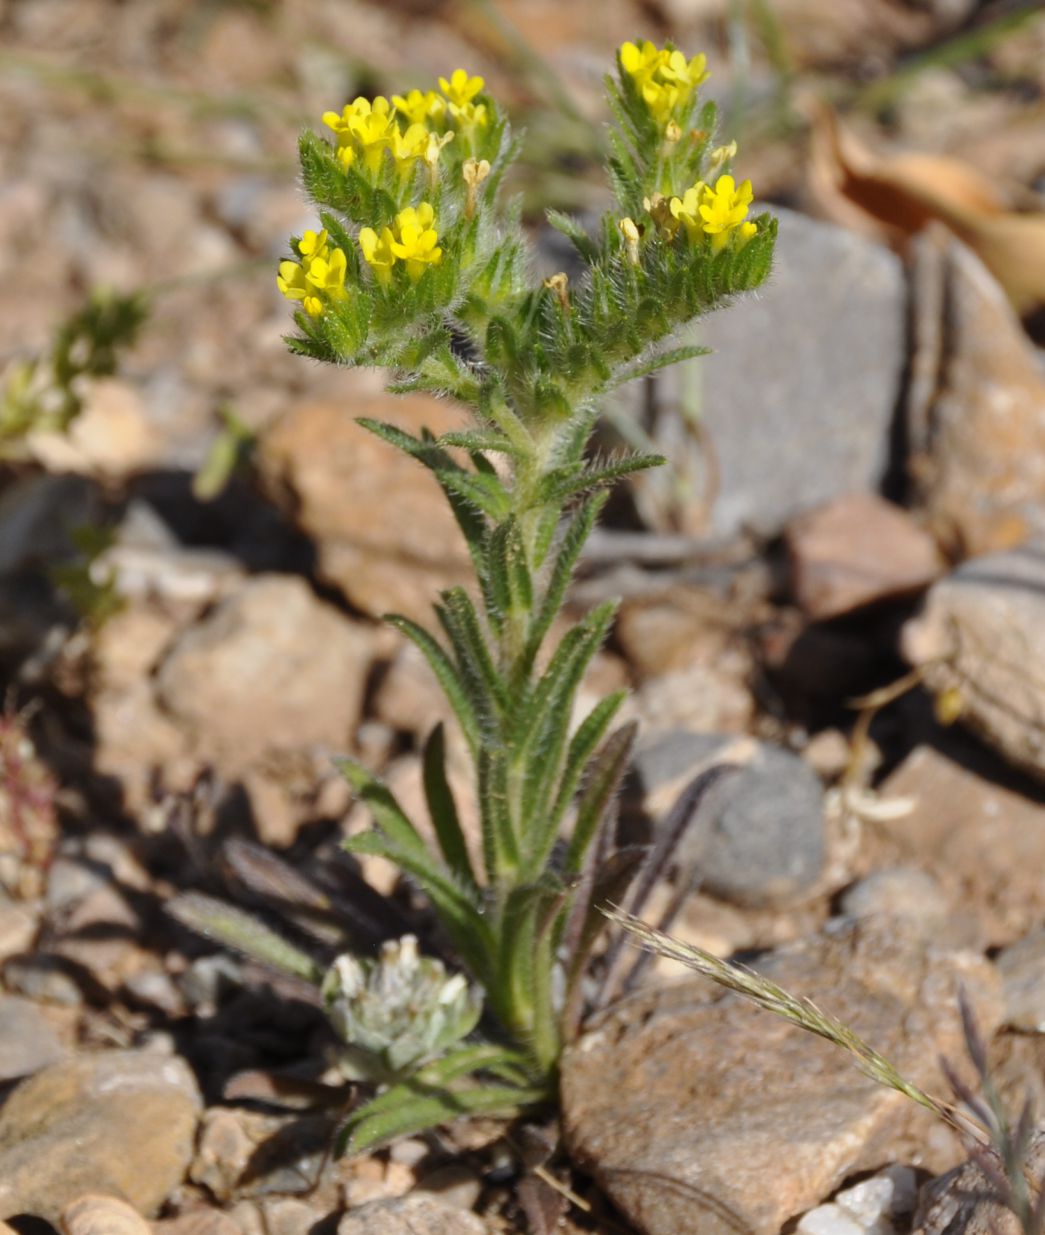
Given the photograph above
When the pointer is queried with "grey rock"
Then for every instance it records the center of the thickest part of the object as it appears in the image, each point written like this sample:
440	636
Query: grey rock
45	977
120	1123
912	894
798	398
1022	969
416	1214
27	1040
758	836
272	1216
979	634
874	1206
701	1115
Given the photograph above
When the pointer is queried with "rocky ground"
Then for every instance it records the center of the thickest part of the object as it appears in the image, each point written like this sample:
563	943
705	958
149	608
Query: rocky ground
844	570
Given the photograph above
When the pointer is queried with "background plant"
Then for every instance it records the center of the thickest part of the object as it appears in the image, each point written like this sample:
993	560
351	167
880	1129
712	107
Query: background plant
418	267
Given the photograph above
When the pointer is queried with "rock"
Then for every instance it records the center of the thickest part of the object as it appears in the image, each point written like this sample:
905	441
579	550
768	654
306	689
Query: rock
677	628
912	894
416	1214
111	438
1022	969
854	551
271	667
119	1122
274	1216
702	698
245	1153
979	635
27	1040
758	837
871	1207
18	926
102	1215
962	1202
41	976
823	347
984	844
198	1222
976	410
383	530
455	1184
700	1114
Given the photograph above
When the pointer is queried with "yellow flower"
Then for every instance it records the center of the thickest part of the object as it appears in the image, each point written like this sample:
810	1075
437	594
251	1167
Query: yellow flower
408	147
723	208
419	106
686	209
641	62
363	127
417	243
315	280
676	70
313	244
377	252
434	147
413	241
664	78
372	127
630	233
460	89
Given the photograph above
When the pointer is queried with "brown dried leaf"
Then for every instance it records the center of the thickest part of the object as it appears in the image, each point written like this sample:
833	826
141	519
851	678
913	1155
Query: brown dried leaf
893	198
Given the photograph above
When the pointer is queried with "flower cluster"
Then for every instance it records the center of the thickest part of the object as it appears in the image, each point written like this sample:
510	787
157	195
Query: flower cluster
717	210
365	129
413	241
318	278
399	1011
663	76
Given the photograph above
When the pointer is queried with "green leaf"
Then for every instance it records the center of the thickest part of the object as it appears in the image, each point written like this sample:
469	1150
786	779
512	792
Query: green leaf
423	1107
481	489
388	814
500	842
576	533
242	932
484	684
574	231
660	361
557	491
479	439
589	734
443	809
457	907
604	776
445	673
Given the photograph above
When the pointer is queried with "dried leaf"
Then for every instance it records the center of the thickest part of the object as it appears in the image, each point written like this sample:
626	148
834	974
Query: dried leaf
893	198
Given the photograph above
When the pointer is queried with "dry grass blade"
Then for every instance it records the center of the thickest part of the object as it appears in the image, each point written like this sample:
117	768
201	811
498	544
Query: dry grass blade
798	1010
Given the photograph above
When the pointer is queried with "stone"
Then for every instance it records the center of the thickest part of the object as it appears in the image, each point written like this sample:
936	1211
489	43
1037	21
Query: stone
700	1115
243	1153
874	1206
1022	969
978	637
797	402
963	1201
983	843
18	926
711	698
976	409
913	894
102	1215
118	1122
271	667
855	551
111	438
383	531
419	1213
28	1041
198	1222
274	1216
455	1184
758	837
